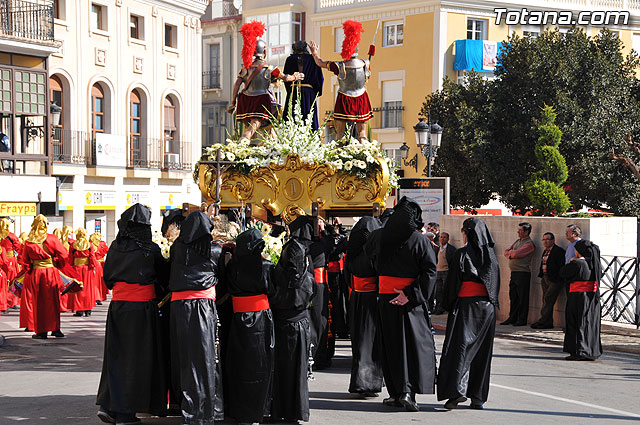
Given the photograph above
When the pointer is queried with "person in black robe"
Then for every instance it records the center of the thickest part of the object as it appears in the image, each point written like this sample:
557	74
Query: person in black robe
169	217
134	368
583	310
471	296
293	290
406	268
308	89
196	266
336	239
249	365
366	369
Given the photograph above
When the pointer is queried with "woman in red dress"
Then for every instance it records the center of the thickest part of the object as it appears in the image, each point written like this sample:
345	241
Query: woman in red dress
10	248
101	249
85	263
41	251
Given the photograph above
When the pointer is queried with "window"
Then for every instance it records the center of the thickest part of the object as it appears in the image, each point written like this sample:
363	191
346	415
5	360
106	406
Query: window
170	36
211	78
395	155
98	17
135	142
55	90
476	29
392	104
136	27
170	127
59	10
393	33
532	31
463	76
215	125
339	39
97	110
298	26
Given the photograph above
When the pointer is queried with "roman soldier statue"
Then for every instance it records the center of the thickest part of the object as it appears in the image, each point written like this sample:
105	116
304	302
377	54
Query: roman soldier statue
352	103
256	103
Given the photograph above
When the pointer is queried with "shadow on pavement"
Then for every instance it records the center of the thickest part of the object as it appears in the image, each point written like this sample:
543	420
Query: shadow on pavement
566	414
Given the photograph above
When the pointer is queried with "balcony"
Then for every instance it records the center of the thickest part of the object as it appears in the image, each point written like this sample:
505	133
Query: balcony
210	80
388	116
223	9
25	24
80	148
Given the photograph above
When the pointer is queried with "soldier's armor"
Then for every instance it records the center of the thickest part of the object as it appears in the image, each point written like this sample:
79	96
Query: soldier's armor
352	76
260	83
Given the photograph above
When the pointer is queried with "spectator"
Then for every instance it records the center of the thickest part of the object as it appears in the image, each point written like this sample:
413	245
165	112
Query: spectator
519	255
444	255
550	264
573	235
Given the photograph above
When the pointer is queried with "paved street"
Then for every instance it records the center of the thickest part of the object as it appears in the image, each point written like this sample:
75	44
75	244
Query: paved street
54	382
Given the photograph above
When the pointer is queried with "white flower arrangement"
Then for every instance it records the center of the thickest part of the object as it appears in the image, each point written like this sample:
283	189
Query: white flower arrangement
273	245
163	243
296	135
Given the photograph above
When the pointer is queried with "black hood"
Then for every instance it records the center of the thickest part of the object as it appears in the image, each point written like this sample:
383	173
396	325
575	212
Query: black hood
247	257
479	256
169	217
385	215
136	213
196	226
360	234
302	228
406	219
135	224
591	253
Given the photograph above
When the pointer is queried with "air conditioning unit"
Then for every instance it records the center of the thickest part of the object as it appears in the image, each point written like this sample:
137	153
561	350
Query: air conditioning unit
171	160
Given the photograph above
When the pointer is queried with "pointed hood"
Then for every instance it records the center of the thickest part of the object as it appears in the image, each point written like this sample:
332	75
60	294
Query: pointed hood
360	234
406	219
479	256
302	228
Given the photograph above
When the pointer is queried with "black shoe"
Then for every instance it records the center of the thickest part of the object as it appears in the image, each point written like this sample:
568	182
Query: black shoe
409	404
477	404
452	403
369	394
572	357
78	314
87	313
520	324
57	334
41	335
507	322
106	416
391	402
541	326
98	302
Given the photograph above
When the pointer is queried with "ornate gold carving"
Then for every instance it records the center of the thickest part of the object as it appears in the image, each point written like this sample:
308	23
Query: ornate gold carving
293	188
291	212
320	175
267	177
346	186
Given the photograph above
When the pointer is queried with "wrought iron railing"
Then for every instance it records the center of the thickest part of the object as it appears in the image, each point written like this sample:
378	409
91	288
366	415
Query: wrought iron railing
210	80
79	148
620	289
387	117
31	20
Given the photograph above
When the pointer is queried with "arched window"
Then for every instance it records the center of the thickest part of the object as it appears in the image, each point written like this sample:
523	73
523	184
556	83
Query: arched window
57	97
136	157
171	141
97	110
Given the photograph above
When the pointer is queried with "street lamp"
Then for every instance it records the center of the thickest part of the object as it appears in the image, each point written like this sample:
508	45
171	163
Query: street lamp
428	139
404	150
55	111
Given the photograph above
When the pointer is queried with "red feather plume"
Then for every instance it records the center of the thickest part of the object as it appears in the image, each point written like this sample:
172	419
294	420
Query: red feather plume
250	32
352	31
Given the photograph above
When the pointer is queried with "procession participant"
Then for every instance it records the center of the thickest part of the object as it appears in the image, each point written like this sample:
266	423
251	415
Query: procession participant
133	369
249	366
294	285
582	336
256	103
65	234
471	297
366	370
82	256
43	255
352	103
406	268
4	283
306	90
10	246
171	221
338	292
100	247
196	267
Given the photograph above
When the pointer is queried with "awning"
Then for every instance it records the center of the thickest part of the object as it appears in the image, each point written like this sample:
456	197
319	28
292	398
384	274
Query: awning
477	55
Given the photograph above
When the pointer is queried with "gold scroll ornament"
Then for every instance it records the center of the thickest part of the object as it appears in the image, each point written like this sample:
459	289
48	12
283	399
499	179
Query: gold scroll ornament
291	188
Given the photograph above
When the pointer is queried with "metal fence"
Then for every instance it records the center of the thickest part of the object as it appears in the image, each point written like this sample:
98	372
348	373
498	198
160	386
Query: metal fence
387	117
210	80
27	19
79	147
620	289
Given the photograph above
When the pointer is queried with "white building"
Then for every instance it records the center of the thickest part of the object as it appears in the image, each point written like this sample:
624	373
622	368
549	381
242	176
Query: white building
127	77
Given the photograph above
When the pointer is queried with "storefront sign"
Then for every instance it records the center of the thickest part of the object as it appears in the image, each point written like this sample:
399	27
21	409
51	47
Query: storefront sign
137	197
65	200
111	150
17	209
100	201
170	201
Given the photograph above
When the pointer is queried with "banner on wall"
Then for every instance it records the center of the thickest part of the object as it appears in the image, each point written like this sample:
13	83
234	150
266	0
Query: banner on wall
111	150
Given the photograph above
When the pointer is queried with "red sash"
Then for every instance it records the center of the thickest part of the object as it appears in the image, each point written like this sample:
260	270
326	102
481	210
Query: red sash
365	284
387	284
252	303
583	286
194	295
318	273
336	266
473	289
123	291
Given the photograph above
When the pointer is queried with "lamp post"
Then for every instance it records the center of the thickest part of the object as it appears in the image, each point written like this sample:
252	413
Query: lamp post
55	112
428	139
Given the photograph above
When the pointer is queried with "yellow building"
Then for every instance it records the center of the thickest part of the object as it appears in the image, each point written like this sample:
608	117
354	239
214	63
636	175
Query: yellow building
416	49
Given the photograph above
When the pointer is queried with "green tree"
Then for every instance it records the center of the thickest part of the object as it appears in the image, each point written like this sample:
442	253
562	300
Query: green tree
544	187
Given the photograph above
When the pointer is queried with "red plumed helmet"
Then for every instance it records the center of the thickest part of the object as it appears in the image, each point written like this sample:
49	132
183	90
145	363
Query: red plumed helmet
352	31
250	32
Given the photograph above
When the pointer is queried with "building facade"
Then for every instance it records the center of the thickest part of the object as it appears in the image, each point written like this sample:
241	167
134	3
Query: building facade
126	81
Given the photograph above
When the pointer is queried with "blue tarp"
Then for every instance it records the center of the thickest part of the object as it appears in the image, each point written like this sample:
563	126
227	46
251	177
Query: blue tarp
469	55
